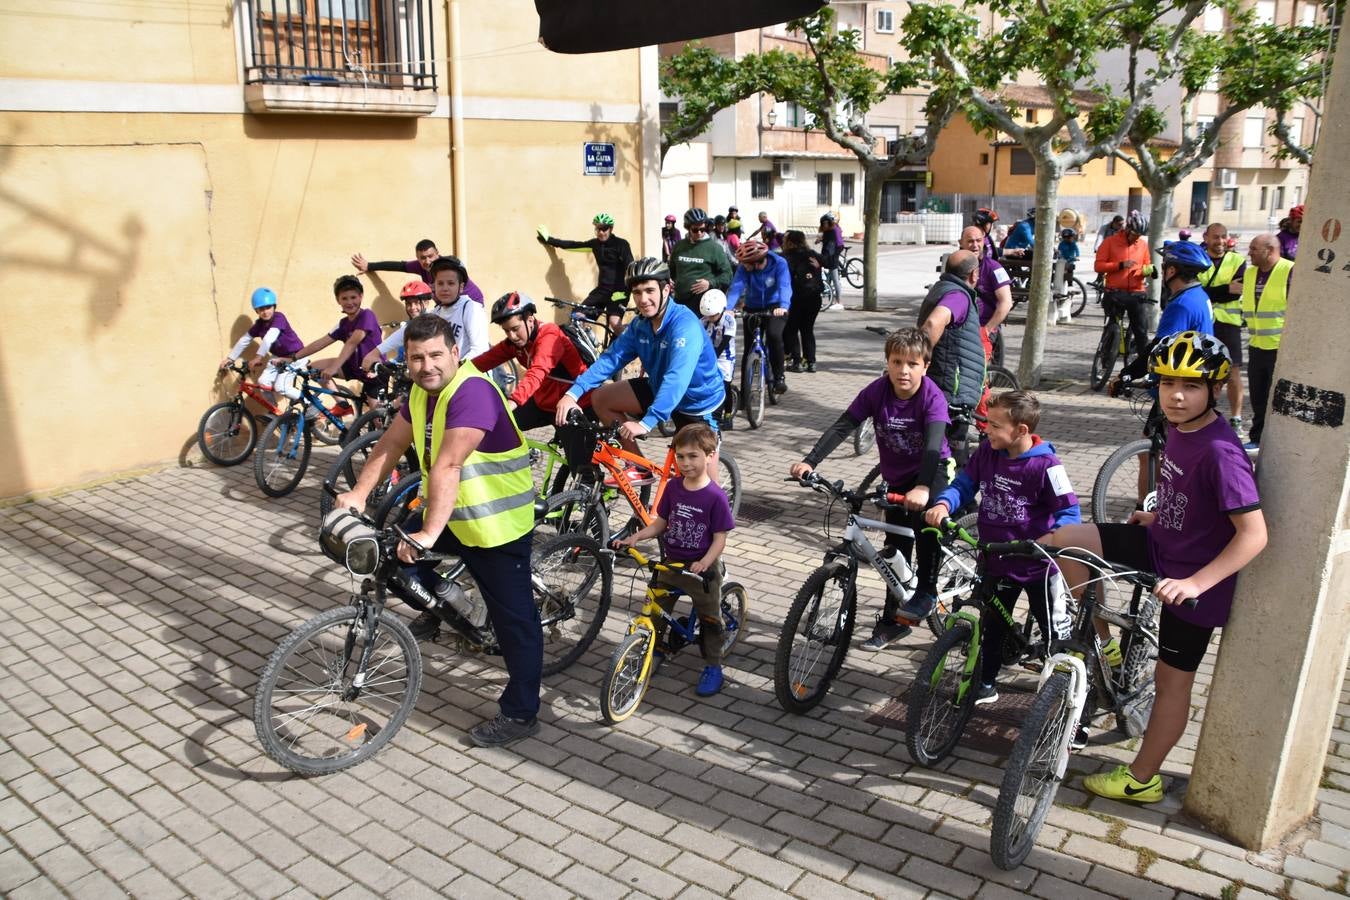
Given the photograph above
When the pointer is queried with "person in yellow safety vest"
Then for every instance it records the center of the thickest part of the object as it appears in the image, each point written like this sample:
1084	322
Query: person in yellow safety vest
1265	294
1221	283
479	505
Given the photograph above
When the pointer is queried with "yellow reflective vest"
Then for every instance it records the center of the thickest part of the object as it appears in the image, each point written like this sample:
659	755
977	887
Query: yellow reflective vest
1226	311
1265	320
495	504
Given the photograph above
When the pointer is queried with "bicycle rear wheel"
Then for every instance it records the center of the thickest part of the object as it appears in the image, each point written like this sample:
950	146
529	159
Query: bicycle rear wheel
729	479
308	712
853	273
572	512
346	469
735	610
1077	301
938	712
753	388
626	679
226	433
400	501
1104	360
814	638
1002	379
374	420
283	455
1115	493
1032	776
326	431
573	585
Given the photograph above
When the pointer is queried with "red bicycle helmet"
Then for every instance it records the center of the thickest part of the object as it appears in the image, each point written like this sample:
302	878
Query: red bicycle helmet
1296	212
511	304
751	251
415	290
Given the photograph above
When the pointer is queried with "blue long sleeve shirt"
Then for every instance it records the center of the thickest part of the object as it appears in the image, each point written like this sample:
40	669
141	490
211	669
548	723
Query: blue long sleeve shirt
763	288
679	361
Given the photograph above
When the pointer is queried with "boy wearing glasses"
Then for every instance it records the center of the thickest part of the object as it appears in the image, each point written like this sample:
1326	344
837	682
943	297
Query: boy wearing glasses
612	258
698	263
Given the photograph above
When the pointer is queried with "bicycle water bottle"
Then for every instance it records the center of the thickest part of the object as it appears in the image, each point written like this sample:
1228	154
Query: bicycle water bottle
1061	623
473	610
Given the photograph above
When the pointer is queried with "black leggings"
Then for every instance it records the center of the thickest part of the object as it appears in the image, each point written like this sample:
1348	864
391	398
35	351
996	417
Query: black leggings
799	338
995	629
928	544
1136	309
772	330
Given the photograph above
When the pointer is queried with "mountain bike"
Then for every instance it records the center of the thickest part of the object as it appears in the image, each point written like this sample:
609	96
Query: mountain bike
337	689
819	626
1113	345
227	431
851	268
580	329
756	375
634	661
390	398
286	442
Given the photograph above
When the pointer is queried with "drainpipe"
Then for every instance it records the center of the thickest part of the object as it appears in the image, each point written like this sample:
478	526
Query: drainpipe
459	230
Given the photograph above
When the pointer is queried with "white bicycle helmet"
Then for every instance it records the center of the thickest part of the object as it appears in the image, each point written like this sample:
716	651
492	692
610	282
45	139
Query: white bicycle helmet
713	303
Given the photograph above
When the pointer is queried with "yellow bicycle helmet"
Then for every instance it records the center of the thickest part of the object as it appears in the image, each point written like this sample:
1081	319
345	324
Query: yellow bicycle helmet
1190	354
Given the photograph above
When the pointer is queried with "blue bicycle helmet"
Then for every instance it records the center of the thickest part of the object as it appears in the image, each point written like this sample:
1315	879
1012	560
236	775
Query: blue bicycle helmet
264	297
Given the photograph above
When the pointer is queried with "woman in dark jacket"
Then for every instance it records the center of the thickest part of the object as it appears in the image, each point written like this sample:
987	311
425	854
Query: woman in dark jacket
799	337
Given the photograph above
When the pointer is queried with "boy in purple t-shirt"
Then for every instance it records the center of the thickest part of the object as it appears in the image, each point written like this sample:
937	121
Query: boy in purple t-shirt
1024	493
694	515
275	336
910	415
359	332
1207	526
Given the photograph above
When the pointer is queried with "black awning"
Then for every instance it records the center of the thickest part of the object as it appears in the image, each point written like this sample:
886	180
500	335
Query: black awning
577	26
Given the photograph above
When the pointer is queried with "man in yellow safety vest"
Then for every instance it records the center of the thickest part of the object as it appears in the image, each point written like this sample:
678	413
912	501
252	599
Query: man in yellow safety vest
1265	294
479	505
1221	283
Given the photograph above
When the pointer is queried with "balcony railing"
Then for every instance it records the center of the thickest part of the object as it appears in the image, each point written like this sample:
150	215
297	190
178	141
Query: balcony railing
342	43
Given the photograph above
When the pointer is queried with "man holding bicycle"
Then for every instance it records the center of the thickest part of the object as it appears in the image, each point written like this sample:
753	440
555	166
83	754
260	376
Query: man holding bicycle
1123	259
763	285
682	381
479	495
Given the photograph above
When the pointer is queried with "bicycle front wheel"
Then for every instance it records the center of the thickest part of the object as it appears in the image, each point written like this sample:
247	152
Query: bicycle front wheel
627	677
938	709
1115	493
729	479
283	455
1135	689
1104	360
853	273
346	469
753	389
1032	776
372	421
317	710
815	638
735	609
864	438
573	584
227	432
958	574
573	512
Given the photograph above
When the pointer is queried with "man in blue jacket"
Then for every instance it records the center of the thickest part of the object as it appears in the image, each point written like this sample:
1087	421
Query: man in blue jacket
763	284
682	382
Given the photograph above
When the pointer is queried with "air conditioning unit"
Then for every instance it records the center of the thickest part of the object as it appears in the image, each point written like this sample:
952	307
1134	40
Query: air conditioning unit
1228	178
783	168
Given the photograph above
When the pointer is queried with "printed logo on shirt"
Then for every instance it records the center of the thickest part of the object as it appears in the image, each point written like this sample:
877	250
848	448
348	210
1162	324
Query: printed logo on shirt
1001	506
901	435
683	530
1059	480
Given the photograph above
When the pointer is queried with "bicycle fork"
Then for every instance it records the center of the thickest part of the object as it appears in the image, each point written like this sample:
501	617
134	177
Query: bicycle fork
1078	691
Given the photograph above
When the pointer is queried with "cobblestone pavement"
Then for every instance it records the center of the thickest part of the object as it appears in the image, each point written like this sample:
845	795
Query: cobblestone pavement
138	614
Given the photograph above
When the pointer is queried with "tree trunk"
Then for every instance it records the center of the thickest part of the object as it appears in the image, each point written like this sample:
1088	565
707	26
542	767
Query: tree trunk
1042	266
1161	194
872	183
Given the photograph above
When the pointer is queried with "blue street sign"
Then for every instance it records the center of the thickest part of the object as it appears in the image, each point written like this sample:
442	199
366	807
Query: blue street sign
599	159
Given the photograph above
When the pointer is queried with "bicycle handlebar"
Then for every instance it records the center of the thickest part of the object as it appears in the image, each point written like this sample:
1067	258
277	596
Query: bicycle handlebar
651	565
879	495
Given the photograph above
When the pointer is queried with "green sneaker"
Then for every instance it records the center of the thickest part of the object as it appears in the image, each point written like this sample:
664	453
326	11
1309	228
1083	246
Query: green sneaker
1119	784
1111	653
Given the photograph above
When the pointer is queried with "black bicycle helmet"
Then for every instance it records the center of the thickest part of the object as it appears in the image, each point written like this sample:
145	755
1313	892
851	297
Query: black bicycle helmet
984	217
1136	222
511	304
695	216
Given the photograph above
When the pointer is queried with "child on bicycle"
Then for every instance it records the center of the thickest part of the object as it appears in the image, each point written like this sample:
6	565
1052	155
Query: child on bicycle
1206	527
694	516
359	333
720	324
1024	493
910	415
274	335
416	297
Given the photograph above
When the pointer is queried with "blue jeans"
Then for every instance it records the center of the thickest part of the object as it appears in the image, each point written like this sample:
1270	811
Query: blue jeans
503	576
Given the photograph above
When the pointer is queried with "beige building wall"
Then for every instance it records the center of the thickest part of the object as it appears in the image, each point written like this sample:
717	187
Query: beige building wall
140	200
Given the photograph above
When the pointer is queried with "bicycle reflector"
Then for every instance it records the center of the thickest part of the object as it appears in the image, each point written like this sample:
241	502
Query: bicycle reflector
346	539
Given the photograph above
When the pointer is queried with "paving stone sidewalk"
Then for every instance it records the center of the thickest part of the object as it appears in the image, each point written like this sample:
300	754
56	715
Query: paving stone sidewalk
138	614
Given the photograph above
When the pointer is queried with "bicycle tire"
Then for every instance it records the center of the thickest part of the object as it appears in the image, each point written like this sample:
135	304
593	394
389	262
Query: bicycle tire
346	469
1104	359
996	357
330	684
770	397
958	573
573	512
864	438
374	420
729	479
870	479
735	615
1135	681
1020	811
331	433
1112	502
794	664
753	388
282	455
1002	379
399	503
227	433
1077	297
853	273
934	721
570	577
627	677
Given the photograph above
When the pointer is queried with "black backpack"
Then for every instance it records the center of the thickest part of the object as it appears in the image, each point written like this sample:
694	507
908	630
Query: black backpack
806	278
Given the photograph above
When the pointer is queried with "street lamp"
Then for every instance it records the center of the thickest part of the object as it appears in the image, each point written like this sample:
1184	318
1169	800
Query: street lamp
773	117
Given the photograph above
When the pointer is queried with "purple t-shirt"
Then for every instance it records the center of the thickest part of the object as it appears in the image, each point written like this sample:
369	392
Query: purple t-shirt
1288	244
287	342
692	518
958	305
992	277
1019	500
900	425
1204	477
413	267
365	321
476	404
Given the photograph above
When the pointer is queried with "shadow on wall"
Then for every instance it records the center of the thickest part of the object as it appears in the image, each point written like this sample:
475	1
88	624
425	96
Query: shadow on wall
559	285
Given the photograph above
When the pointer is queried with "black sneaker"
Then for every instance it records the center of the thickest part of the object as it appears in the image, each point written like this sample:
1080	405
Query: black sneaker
985	694
426	626
501	730
794	366
1079	739
885	633
780	387
809	367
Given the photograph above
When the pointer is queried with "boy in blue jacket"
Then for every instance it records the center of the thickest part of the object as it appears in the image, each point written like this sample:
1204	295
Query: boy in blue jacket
1024	493
763	284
